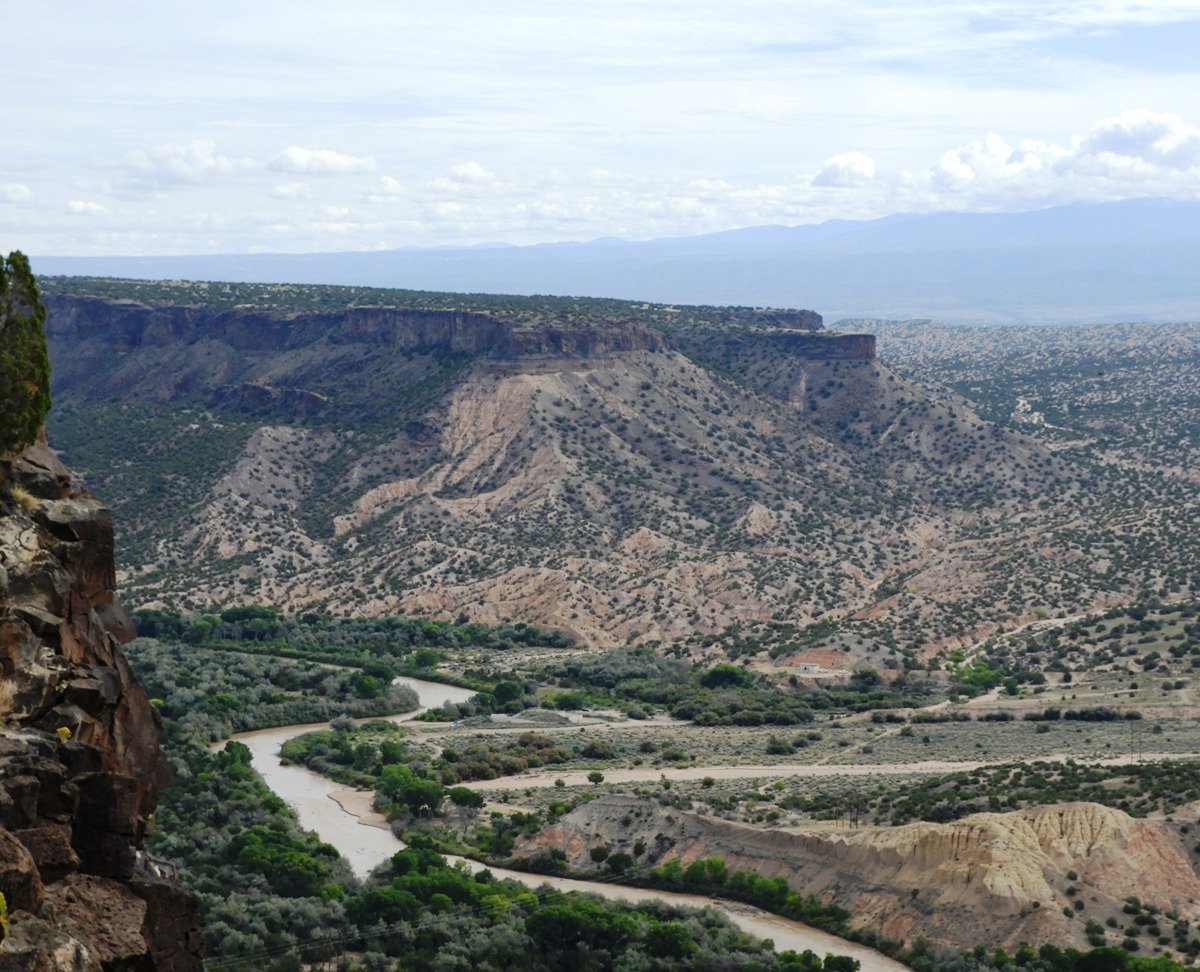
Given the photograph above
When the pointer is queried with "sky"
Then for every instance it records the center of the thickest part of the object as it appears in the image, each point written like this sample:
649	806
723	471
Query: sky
239	126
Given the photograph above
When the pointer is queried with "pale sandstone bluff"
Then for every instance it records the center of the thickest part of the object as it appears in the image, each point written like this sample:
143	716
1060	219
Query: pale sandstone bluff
80	763
995	878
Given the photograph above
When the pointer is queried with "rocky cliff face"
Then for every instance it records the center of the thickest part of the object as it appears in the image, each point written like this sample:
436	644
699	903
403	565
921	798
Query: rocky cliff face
125	326
994	878
613	337
80	763
106	347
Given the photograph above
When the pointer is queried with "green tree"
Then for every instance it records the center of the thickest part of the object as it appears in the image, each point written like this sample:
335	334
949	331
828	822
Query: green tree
24	359
425	658
670	940
578	926
460	796
725	674
401	785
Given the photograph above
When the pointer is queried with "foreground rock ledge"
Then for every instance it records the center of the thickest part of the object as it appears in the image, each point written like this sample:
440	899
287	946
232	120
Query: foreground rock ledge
80	762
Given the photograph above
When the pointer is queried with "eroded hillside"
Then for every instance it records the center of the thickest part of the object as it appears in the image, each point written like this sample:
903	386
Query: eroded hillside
1042	874
625	472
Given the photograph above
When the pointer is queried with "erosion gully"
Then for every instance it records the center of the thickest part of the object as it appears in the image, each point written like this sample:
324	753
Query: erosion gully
345	818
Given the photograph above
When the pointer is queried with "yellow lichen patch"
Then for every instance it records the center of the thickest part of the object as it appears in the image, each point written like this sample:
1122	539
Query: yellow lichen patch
24	497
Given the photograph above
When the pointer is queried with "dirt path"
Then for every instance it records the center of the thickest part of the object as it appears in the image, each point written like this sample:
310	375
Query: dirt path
642	774
591	724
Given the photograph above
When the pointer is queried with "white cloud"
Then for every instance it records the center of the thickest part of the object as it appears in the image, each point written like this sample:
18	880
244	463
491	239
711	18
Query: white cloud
80	207
319	162
471	173
1136	153
846	171
469	178
606	179
390	191
15	192
555	177
1159	139
194	163
1111	13
291	190
990	157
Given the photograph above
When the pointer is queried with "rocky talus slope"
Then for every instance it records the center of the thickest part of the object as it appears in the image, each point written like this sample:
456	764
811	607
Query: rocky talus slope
995	878
80	763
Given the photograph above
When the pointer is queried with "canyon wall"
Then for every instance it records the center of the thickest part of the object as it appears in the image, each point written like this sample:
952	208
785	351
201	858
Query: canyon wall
125	326
120	348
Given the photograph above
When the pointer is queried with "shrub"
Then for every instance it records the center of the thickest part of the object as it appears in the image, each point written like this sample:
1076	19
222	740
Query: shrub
778	747
726	675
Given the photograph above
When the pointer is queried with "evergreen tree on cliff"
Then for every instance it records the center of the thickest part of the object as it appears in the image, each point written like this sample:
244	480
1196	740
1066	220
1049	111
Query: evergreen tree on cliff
24	358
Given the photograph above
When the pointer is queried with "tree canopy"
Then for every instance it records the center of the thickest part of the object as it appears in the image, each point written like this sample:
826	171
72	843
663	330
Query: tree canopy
24	358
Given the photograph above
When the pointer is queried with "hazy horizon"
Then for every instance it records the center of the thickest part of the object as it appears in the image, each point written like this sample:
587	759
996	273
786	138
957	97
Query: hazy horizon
248	129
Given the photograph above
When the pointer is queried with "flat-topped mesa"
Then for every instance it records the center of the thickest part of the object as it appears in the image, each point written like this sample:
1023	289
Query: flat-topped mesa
590	341
125	325
293	361
748	350
799	320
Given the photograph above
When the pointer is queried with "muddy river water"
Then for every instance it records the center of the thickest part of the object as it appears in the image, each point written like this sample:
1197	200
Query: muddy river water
345	818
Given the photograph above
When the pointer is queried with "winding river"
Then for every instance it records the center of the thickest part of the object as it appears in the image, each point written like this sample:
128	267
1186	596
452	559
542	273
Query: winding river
345	818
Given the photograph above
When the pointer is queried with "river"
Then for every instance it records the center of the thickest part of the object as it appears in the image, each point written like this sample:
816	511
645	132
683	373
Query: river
345	818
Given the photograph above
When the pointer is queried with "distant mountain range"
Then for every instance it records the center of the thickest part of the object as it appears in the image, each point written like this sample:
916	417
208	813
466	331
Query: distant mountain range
1134	260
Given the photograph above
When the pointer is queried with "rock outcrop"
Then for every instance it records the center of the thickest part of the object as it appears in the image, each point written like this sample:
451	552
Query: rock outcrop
805	345
994	878
80	763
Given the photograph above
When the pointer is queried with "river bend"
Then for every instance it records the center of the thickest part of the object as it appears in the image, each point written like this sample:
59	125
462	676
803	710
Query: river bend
344	818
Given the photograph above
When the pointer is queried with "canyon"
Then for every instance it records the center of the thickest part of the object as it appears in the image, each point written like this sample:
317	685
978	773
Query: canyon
622	471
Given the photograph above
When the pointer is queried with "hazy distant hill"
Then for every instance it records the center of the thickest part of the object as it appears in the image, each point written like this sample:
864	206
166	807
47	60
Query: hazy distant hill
1133	260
